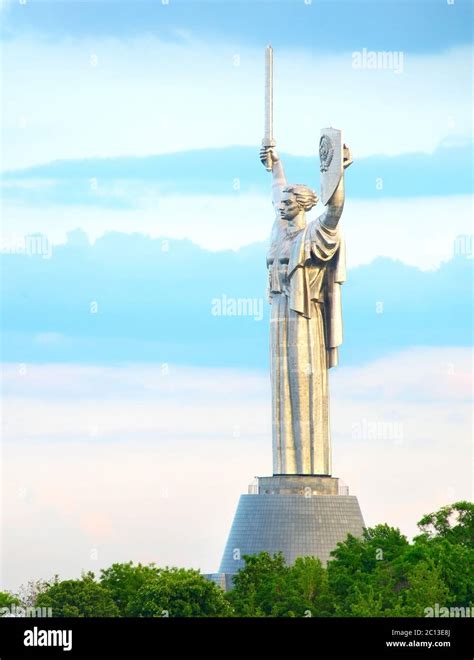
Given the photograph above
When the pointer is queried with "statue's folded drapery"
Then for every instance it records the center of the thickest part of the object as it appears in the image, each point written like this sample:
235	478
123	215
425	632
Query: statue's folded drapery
306	270
318	246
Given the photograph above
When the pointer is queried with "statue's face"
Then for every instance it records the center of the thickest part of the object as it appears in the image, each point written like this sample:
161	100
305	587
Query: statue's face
289	207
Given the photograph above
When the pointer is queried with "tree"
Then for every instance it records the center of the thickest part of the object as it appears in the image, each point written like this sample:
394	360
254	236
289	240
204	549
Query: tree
29	591
454	522
266	586
81	598
447	540
308	585
123	581
7	600
260	586
381	574
364	600
178	592
364	576
425	588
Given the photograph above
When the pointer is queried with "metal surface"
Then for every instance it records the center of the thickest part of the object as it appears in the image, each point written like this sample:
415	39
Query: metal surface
300	510
331	161
294	525
306	267
268	130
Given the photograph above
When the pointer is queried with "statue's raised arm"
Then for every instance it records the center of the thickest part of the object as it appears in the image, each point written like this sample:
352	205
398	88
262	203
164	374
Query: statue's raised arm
269	154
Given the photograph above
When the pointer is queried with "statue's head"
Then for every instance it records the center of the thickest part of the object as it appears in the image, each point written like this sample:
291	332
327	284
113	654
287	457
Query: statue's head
296	199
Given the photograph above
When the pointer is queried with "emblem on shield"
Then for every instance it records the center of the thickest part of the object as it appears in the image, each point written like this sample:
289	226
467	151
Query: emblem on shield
326	152
331	161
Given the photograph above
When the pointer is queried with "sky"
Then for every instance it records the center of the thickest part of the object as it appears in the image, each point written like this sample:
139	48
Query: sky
133	199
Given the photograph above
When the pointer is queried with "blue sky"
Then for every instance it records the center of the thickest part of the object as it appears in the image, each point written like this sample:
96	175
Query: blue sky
192	75
130	140
147	296
414	25
444	172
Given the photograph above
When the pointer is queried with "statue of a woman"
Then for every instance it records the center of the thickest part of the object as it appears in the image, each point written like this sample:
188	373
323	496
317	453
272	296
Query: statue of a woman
306	267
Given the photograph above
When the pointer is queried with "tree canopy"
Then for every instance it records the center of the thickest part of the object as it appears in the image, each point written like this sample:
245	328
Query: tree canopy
179	592
379	574
81	598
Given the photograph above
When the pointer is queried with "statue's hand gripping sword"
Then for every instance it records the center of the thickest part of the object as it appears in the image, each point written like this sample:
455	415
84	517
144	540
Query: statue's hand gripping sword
268	134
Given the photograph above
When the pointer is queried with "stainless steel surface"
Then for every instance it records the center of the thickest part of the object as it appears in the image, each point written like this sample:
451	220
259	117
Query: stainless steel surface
268	130
331	159
306	268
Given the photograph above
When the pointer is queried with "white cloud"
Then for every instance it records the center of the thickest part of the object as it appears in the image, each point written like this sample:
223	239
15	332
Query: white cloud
418	231
133	464
83	98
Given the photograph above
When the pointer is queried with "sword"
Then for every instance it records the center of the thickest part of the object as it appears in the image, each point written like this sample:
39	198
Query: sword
268	133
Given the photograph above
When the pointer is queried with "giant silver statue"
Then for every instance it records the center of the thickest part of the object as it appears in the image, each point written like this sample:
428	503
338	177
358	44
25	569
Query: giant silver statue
306	267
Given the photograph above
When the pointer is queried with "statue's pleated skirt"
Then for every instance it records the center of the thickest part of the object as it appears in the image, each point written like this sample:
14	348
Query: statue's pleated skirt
300	406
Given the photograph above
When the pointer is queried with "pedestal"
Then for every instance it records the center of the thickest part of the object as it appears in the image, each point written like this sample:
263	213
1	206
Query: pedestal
297	515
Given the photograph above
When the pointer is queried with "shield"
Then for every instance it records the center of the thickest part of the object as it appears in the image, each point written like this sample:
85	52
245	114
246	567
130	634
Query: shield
331	161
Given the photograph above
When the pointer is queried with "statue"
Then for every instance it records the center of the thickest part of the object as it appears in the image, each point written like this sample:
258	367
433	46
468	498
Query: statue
301	510
306	267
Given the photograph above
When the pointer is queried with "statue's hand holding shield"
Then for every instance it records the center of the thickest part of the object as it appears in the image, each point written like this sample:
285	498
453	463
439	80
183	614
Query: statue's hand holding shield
347	156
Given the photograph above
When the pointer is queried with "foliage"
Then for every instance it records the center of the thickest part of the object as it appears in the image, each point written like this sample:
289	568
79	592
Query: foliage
258	586
454	522
7	599
266	586
379	574
29	591
81	598
363	576
178	592
123	581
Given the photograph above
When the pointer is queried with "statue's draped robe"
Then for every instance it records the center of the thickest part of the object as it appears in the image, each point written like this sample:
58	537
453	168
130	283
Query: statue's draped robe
306	269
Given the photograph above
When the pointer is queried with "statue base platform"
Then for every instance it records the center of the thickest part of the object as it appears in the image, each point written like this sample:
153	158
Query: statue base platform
298	515
298	484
